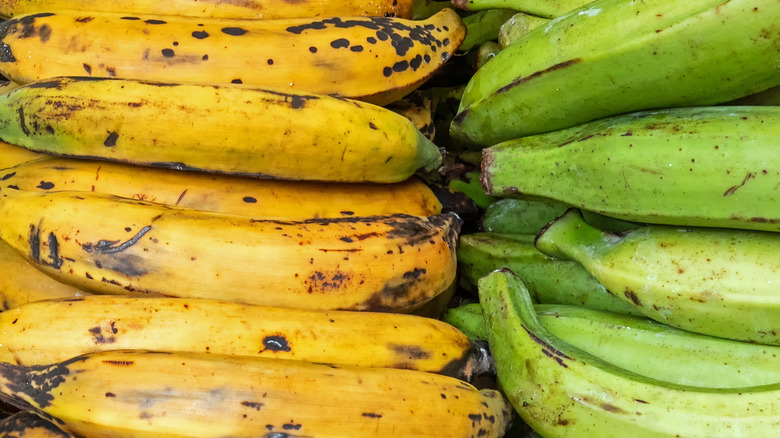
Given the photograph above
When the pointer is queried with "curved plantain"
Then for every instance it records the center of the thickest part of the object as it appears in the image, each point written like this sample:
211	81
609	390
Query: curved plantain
216	128
261	9
378	59
139	394
51	331
108	244
223	193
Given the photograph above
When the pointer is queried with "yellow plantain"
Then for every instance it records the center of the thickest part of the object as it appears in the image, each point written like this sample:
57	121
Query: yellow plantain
12	155
263	9
107	244
21	282
132	393
223	129
378	59
51	331
223	193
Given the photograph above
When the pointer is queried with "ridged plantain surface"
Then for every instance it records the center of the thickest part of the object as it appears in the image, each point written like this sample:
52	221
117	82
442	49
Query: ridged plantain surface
135	393
42	333
108	244
262	9
241	130
379	59
564	392
614	56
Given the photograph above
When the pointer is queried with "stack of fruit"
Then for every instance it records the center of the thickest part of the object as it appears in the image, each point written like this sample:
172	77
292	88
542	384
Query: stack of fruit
218	230
183	264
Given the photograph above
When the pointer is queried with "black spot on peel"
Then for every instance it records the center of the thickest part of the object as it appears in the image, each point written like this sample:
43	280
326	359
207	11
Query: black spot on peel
45	185
87	68
168	53
130	18
200	34
54	252
44	32
110	246
340	43
291	426
111	139
313	49
356	48
22	123
387	72
154	21
7	176
236	81
411	352
254	405
34	240
371	415
276	343
234	31
249	200
400	66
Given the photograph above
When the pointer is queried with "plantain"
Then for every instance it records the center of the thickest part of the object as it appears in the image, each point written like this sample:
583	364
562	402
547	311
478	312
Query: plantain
550	280
613	56
378	59
28	425
518	26
51	331
563	391
543	8
698	166
223	193
644	346
136	393
12	155
224	129
107	244
259	9
718	282
21	282
483	26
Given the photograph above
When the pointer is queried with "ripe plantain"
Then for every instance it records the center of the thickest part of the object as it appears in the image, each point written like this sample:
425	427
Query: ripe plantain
107	244
223	193
28	425
262	9
21	282
51	331
123	393
216	128
378	59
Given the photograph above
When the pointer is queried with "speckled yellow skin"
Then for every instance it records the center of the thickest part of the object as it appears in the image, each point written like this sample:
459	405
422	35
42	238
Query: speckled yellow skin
29	425
223	193
37	334
227	129
378	59
107	244
262	9
152	394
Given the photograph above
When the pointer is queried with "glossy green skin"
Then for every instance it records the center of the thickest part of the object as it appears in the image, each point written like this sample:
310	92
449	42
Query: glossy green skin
483	26
644	346
705	166
550	281
564	392
614	56
528	216
541	8
719	282
518	26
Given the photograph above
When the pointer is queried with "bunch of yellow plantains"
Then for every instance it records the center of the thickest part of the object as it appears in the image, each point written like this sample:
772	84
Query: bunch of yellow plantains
210	227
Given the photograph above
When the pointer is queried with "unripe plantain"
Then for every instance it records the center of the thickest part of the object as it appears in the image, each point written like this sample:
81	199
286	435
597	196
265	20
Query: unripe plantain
615	56
262	9
719	282
108	244
216	128
123	393
378	59
698	166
